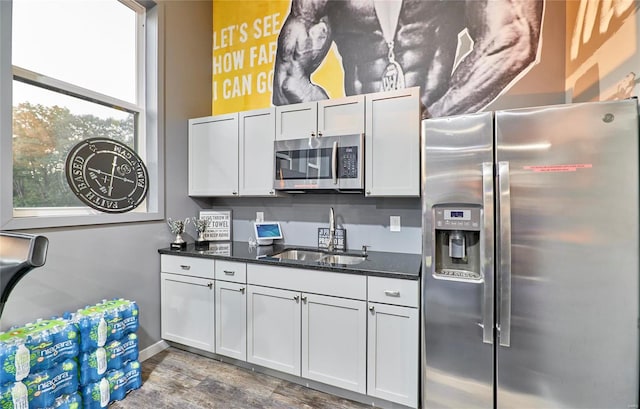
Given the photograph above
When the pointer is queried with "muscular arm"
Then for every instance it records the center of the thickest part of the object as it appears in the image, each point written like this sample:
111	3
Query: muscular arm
505	34
303	43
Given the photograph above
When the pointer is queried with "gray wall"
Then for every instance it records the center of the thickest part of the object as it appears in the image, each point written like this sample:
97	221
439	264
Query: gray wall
365	219
87	264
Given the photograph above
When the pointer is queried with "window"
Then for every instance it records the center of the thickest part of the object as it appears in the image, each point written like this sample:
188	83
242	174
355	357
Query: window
77	69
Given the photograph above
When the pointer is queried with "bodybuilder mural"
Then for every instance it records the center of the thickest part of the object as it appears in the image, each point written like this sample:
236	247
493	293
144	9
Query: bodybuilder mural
392	44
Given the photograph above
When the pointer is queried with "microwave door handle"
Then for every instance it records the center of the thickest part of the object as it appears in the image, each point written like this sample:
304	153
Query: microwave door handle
334	162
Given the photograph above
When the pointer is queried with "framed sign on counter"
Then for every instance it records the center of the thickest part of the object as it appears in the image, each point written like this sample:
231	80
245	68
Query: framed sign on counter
219	224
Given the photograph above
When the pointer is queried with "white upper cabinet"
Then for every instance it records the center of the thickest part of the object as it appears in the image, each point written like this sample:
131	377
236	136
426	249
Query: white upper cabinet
341	116
326	117
392	143
296	121
257	133
213	156
232	155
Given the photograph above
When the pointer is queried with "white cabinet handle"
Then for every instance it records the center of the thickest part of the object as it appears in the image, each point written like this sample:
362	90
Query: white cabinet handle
229	272
185	267
392	293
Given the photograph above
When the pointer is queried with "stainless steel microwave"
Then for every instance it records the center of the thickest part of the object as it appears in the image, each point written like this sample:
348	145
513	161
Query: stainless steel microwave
325	162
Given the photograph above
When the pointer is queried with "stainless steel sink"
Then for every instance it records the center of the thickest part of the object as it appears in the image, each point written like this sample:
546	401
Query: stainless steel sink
318	256
300	255
342	259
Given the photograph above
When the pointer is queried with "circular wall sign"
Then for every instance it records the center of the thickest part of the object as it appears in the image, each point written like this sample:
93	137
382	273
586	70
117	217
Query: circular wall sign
106	175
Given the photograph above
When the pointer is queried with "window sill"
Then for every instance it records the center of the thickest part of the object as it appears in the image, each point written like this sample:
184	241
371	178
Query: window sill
39	222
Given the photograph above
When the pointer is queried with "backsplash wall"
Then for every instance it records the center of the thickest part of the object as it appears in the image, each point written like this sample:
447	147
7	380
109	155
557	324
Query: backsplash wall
365	219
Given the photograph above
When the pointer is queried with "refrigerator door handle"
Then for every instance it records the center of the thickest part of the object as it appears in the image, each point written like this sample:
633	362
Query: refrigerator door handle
504	273
486	247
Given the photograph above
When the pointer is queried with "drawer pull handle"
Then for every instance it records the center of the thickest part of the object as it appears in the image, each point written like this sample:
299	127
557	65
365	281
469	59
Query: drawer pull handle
392	293
371	308
296	298
229	272
242	290
185	267
304	299
210	285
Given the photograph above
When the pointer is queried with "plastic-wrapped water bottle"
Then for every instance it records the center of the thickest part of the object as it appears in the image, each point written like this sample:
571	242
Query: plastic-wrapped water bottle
36	347
46	386
14	395
93	328
93	365
71	401
14	359
105	322
122	316
96	395
117	383
129	348
51	342
113	386
133	375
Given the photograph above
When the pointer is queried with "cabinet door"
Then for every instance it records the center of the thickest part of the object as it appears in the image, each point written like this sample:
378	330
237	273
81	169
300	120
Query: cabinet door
392	143
334	341
273	328
213	156
296	121
392	364
231	320
257	133
341	116
187	310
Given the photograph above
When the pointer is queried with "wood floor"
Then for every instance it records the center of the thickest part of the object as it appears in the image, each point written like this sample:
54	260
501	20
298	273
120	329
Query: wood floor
180	379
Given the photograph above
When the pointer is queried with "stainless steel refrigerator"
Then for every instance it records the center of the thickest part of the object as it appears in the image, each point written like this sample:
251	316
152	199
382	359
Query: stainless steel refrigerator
530	270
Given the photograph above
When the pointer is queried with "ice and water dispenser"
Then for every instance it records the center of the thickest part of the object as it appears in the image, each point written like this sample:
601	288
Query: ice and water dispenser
457	242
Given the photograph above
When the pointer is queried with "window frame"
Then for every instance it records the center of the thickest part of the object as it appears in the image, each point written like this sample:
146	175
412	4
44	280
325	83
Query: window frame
151	17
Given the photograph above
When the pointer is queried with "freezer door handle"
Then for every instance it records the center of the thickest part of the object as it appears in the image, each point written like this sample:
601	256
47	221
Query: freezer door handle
504	273
486	247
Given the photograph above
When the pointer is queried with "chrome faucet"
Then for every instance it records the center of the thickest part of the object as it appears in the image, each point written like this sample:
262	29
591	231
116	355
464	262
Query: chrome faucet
332	229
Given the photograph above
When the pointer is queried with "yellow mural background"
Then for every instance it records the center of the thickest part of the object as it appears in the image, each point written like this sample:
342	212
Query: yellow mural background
245	35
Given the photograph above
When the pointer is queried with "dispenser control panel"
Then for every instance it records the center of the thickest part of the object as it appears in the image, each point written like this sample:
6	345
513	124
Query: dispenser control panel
464	218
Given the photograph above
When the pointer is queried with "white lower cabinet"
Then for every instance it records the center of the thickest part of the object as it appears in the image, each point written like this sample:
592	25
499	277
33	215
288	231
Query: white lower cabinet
393	353
273	328
350	331
334	333
231	319
187	305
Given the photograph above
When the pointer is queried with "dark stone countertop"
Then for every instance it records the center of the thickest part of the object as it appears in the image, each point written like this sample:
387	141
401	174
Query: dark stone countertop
378	263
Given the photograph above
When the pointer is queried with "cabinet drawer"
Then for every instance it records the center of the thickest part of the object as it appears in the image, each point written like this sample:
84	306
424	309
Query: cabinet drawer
393	291
310	281
231	271
191	266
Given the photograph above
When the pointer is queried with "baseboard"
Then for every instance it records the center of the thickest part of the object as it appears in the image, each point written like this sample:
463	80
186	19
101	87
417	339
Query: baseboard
150	351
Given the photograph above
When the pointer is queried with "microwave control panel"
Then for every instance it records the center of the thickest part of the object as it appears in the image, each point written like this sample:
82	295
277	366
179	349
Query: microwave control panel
348	162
